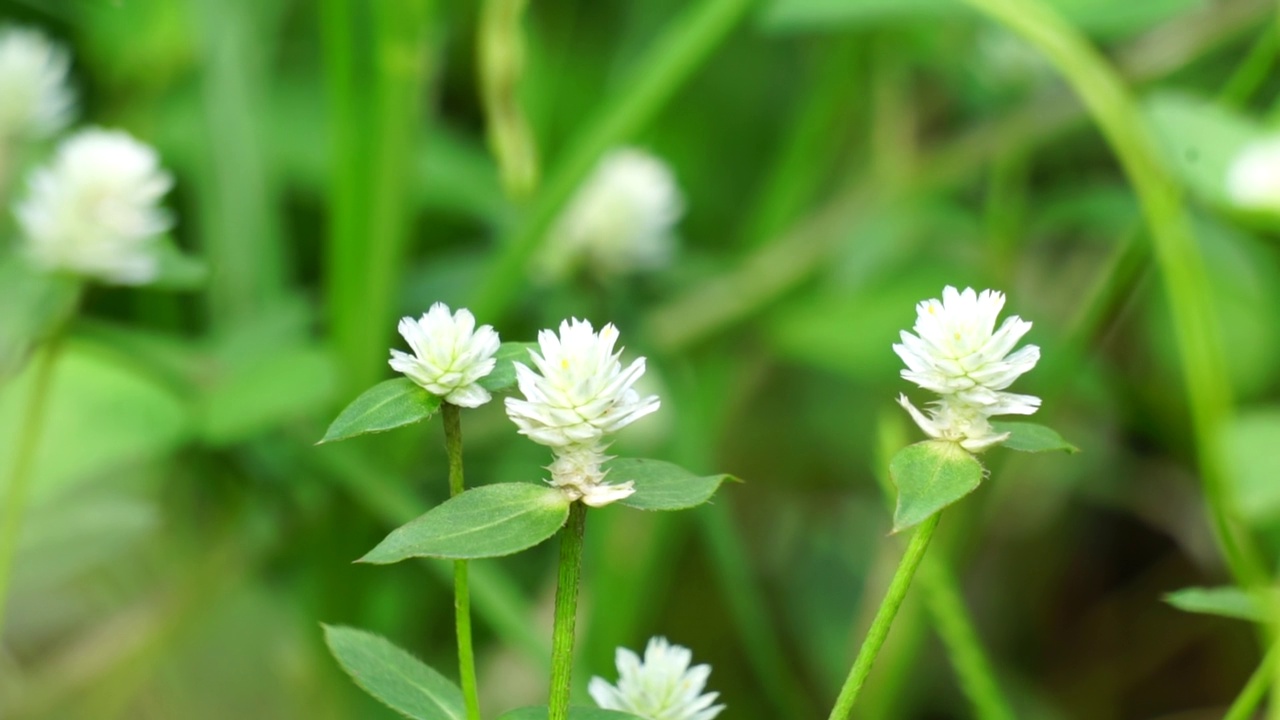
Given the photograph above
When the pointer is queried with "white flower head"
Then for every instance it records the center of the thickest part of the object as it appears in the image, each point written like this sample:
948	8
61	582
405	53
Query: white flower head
579	394
620	221
958	352
1253	180
450	354
37	102
95	209
661	687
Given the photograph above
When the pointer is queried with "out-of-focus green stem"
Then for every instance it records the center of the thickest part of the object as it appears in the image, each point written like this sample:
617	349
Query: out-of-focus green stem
566	611
501	48
452	416
659	73
884	618
1254	690
19	491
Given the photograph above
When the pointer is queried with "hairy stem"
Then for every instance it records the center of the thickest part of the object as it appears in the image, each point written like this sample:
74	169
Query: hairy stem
461	588
566	610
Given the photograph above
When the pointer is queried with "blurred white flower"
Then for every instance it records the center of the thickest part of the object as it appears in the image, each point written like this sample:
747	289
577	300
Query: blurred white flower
578	394
35	100
621	220
662	687
450	355
958	353
95	209
1253	180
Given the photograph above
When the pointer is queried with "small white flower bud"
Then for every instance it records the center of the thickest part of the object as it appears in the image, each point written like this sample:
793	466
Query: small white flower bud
450	354
37	101
661	687
958	353
620	221
95	209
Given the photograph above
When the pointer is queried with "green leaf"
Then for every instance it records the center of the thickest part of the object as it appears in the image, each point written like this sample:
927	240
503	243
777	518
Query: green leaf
662	485
575	713
393	676
294	381
387	405
484	522
177	270
929	476
504	370
33	303
1199	139
1030	437
1229	602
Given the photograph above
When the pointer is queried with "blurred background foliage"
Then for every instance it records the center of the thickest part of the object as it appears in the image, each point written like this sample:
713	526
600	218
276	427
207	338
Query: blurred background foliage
841	160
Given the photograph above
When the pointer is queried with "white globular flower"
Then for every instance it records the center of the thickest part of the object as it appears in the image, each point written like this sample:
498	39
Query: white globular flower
37	101
958	353
620	221
661	687
95	209
450	354
1253	179
576	394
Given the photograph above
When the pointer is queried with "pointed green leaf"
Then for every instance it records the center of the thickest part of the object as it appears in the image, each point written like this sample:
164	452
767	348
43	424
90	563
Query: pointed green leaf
393	676
503	376
662	485
575	713
387	405
1229	602
176	270
488	521
929	476
1030	437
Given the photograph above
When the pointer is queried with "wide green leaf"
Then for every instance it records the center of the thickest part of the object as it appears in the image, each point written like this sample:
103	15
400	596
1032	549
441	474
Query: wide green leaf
1030	437
393	676
504	369
488	521
1252	445
575	713
1229	602
929	476
387	405
176	270
662	485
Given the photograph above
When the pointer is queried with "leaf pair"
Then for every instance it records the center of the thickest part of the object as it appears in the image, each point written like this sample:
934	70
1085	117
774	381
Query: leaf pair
411	688
933	474
505	518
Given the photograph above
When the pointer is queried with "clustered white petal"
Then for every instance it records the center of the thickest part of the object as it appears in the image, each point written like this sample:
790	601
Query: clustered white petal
1253	180
450	354
578	394
95	209
661	687
957	352
620	221
36	100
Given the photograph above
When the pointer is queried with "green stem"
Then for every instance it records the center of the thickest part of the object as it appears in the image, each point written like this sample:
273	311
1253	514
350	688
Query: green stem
951	620
461	588
566	610
15	501
1251	696
501	49
883	619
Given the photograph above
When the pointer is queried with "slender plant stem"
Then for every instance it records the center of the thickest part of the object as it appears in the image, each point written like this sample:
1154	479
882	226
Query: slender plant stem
15	501
566	610
452	415
883	619
501	61
1251	696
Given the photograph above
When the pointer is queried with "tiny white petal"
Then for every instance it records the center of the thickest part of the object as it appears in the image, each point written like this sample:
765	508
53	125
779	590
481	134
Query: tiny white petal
450	354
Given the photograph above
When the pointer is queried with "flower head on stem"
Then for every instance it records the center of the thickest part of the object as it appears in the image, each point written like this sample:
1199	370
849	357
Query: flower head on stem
662	686
450	354
576	394
33	82
957	352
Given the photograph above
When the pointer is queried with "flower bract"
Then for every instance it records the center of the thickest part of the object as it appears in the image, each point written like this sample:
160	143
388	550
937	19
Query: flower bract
450	354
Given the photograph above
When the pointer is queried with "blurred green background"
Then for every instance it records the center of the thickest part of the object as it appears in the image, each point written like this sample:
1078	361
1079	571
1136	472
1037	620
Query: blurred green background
840	160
